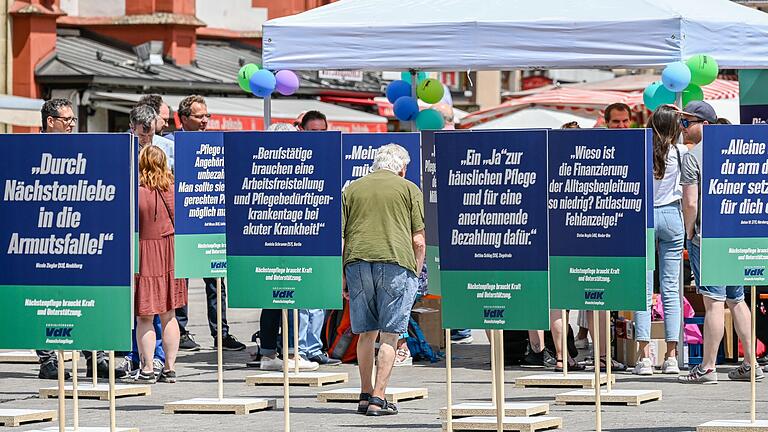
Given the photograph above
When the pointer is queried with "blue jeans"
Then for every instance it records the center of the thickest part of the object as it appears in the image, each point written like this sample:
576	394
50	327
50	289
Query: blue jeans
732	293
310	331
381	296
670	234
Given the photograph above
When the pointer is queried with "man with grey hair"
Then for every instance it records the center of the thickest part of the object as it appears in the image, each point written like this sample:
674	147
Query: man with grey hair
143	121
384	248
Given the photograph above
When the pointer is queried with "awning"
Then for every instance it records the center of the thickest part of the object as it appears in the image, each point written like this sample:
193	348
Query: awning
248	113
20	111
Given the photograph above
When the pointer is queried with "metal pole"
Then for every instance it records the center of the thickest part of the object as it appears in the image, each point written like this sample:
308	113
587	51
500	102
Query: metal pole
608	357
414	85
267	112
499	380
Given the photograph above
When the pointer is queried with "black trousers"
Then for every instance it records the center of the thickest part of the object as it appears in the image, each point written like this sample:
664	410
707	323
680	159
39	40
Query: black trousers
182	313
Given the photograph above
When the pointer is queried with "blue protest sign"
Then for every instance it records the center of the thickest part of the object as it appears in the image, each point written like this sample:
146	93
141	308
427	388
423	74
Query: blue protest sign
359	149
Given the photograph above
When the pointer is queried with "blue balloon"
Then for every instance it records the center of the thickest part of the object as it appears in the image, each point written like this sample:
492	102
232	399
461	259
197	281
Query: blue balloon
406	108
263	83
676	77
397	89
656	94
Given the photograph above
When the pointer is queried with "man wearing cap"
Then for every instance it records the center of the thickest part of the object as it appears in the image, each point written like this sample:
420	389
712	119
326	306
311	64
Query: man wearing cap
695	115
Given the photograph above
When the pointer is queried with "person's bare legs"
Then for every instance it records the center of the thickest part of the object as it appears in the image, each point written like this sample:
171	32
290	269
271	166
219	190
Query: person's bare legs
536	339
603	340
713	330
556	327
643	350
365	350
145	339
385	362
742	323
171	337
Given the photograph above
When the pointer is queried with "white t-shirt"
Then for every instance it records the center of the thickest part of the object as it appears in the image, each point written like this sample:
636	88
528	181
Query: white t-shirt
668	189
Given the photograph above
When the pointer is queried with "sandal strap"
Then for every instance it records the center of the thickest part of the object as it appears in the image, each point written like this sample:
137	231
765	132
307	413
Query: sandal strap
379	402
364	397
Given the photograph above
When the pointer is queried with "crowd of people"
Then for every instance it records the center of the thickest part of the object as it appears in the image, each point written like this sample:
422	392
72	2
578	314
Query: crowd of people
383	254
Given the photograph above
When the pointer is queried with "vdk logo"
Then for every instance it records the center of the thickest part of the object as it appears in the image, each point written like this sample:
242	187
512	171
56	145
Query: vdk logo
493	313
58	332
286	294
754	271
218	265
593	295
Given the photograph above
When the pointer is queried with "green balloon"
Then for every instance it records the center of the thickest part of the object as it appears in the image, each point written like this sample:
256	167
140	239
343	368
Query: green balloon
692	93
244	76
430	91
430	119
703	68
406	76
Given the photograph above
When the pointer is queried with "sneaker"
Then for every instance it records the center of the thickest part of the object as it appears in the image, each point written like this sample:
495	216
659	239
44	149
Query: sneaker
697	375
743	373
462	337
304	364
644	367
762	361
766	369
140	377
323	359
230	343
157	367
167	376
670	366
50	370
582	343
124	368
102	369
541	359
186	343
271	364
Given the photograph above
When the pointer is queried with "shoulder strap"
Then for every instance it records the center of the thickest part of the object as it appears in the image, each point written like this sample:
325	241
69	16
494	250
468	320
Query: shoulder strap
166	207
679	159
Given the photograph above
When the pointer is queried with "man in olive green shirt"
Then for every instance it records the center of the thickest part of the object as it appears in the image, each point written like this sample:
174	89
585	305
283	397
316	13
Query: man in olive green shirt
384	248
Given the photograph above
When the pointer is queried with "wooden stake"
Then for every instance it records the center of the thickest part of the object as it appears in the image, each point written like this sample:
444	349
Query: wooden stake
296	341
753	358
608	357
497	334
219	348
75	418
596	349
112	419
448	394
493	366
62	396
286	383
564	342
94	367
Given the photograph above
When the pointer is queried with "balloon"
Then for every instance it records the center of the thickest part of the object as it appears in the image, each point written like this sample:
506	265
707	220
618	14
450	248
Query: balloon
406	76
656	94
244	76
286	82
429	119
676	77
262	83
692	93
430	91
703	69
406	108
397	89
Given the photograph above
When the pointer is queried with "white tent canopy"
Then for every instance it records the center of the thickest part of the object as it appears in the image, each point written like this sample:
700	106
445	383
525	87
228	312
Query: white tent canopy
515	34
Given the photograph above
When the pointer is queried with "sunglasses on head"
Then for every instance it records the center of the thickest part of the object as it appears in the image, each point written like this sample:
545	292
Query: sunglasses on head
686	123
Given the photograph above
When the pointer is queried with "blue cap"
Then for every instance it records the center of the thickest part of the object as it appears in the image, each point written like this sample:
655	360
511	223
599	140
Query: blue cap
701	110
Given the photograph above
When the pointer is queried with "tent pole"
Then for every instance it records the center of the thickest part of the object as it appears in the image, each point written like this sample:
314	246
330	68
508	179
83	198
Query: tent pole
414	84
267	112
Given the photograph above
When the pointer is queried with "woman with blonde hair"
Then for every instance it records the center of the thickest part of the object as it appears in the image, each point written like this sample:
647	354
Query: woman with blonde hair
158	292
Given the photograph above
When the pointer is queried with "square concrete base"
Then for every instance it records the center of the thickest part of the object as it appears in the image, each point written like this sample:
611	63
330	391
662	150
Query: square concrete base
100	391
393	394
487	409
28	356
524	424
88	429
18	417
627	397
239	406
312	379
734	426
583	380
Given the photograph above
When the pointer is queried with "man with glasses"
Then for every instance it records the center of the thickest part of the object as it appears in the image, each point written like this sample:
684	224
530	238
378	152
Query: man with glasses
58	116
695	115
194	116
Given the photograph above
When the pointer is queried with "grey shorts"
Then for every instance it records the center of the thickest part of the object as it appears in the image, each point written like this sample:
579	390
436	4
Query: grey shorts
380	296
